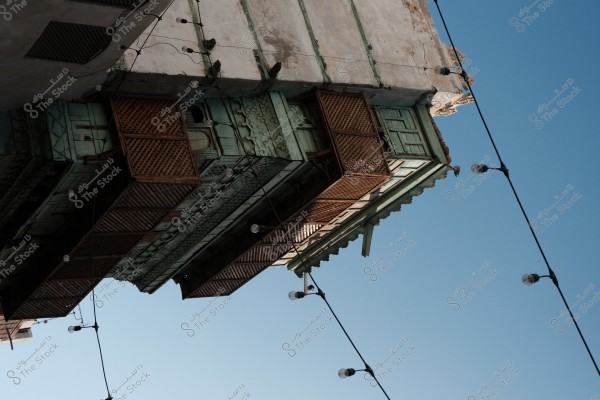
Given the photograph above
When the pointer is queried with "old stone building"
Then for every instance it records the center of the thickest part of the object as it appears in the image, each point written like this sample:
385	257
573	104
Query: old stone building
206	141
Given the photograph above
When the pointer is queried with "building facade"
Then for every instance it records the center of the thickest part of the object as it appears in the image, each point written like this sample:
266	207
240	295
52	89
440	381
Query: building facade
228	137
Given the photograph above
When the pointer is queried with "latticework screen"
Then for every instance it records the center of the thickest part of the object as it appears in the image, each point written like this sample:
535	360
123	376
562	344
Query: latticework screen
353	131
154	140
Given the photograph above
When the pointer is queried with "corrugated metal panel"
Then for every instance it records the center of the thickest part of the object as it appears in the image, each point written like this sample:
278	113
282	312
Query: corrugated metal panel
71	43
153	155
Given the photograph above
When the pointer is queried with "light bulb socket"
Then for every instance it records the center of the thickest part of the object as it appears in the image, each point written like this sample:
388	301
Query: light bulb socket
209	44
456	170
443	70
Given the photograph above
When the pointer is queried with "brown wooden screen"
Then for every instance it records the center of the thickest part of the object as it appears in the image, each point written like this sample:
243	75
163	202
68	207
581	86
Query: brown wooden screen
154	140
353	131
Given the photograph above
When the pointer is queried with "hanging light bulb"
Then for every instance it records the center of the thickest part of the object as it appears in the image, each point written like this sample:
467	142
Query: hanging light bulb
255	228
346	372
295	295
530	279
479	168
185	21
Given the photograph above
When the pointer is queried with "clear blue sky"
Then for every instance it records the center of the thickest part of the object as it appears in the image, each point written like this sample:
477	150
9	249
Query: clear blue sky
444	351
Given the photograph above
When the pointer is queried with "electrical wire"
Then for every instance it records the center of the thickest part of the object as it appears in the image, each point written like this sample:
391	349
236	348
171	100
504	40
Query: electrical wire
279	219
95	326
504	169
293	53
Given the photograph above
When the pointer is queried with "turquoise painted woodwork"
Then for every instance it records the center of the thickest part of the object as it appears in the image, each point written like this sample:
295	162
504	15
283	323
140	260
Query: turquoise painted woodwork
77	129
403	131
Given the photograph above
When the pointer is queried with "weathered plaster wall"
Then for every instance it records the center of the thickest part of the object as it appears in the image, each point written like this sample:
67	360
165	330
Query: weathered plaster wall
388	47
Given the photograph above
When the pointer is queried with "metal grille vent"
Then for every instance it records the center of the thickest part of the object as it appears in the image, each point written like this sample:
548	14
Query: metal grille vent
71	43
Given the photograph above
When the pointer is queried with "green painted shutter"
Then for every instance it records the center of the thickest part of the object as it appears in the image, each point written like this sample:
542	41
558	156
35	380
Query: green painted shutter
403	131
